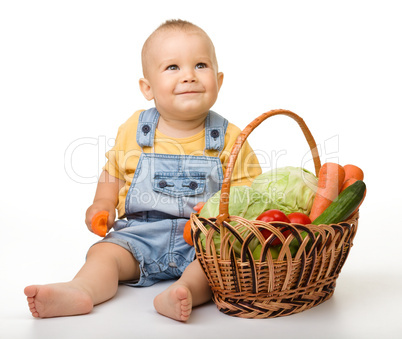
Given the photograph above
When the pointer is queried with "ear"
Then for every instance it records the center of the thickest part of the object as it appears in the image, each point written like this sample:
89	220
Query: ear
220	80
146	89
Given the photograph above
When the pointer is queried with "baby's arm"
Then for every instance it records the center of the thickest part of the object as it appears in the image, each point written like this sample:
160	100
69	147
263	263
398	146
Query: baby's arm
106	198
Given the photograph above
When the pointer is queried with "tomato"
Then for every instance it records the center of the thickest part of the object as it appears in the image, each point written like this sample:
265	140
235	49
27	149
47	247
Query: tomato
273	215
299	218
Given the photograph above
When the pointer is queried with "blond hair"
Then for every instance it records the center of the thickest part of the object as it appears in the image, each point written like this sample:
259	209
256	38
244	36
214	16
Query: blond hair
173	24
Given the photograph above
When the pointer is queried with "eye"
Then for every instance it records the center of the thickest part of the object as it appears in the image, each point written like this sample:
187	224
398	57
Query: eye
201	65
172	68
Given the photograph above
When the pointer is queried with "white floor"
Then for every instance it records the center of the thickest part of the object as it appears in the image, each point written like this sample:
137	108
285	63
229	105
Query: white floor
366	303
362	307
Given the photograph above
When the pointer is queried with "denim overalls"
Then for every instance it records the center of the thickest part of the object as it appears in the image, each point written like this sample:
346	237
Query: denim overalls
164	190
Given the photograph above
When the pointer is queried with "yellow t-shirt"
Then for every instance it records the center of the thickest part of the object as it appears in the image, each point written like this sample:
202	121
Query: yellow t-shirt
123	157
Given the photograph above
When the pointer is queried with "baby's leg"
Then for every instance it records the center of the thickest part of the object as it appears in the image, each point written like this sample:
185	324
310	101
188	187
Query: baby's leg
96	282
192	289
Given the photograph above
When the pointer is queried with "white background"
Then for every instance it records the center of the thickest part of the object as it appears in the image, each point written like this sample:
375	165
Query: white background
69	75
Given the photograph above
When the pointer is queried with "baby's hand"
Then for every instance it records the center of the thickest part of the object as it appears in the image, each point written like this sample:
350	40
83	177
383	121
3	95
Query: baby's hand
199	206
99	223
100	213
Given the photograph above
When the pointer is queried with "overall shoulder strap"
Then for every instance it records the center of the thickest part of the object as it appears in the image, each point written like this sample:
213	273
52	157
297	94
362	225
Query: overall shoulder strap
215	130
146	127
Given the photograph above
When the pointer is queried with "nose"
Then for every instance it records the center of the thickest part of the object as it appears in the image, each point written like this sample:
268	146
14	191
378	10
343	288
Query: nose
189	76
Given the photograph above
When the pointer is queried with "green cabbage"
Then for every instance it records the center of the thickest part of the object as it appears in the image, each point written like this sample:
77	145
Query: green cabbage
292	189
244	202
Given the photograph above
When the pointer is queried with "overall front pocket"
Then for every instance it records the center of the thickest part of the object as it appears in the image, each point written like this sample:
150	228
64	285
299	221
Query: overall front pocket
179	184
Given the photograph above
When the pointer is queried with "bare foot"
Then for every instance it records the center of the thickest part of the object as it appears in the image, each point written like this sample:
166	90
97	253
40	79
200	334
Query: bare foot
175	302
57	300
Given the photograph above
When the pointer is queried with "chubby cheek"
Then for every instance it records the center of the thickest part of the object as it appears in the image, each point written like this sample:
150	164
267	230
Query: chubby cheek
163	92
212	91
212	86
161	83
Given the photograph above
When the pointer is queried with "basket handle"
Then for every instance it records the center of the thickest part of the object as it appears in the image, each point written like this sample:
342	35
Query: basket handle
225	190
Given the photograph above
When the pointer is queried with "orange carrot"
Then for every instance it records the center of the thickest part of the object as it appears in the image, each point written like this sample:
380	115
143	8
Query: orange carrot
352	174
99	223
352	171
199	206
349	182
330	180
187	233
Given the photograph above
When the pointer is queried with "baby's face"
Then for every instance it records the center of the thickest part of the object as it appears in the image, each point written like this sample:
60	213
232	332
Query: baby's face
182	75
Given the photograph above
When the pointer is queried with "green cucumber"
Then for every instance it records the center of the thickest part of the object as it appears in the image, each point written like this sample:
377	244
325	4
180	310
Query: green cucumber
343	206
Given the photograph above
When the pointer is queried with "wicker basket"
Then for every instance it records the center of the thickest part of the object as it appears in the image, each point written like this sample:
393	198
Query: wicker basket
265	288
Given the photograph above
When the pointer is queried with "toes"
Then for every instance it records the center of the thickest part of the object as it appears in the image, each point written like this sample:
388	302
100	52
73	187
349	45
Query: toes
185	316
30	291
182	294
185	312
174	303
34	312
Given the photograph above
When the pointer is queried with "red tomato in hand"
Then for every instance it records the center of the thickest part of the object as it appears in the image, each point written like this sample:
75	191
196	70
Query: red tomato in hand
299	218
273	215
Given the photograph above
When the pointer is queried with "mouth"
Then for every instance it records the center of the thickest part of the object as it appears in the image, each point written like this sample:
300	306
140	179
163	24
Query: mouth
188	92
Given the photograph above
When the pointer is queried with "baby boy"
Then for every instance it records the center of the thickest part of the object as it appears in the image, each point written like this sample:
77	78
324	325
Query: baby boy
166	161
